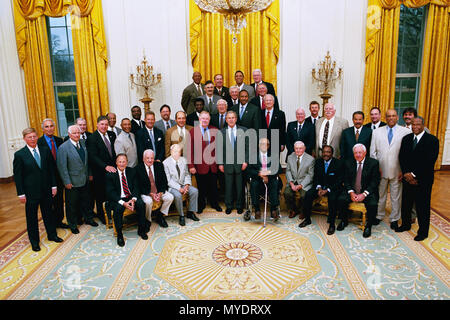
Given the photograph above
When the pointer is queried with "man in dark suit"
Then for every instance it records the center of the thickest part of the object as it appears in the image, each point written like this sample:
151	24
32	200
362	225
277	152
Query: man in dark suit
273	120
150	137
418	154
122	191
233	98
202	163
314	108
354	135
165	123
72	162
153	187
136	122
375	119
257	78
84	134
218	120
219	88
100	147
259	99
232	160
327	182
248	114
34	175
361	181
51	142
265	170
300	130
192	118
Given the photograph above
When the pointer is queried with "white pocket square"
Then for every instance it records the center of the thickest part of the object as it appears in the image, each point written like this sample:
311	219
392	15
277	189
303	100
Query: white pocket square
159	139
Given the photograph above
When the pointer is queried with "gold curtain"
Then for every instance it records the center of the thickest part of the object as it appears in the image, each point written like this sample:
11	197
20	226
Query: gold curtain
212	50
383	22
34	56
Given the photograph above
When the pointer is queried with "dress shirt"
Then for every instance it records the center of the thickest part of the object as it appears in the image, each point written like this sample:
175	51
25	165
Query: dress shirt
49	142
167	123
240	108
229	132
261	154
83	136
199	87
328	167
75	144
257	84
362	168
122	193
271	114
359	130
113	129
105	135
138	122
419	136
234	101
203	133
181	131
316	119
300	124
322	131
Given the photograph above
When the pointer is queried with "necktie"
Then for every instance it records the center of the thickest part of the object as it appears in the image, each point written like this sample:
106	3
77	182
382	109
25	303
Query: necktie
268	118
374	127
314	121
210	105
415	143
108	145
36	157
152	181
167	125
357	135
152	138
232	138
326	166
242	112
325	134
178	169
182	134
206	135
263	105
221	122
81	152
298	130
83	136
358	179
125	186
264	162
199	90
53	149
390	135
298	163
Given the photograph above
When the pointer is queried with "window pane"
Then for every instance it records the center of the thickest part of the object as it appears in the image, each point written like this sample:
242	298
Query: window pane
66	107
406	93
57	22
64	69
59	43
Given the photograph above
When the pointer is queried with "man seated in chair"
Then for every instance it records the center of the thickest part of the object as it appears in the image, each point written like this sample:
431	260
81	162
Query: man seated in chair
180	183
122	192
327	182
299	176
265	171
153	185
361	180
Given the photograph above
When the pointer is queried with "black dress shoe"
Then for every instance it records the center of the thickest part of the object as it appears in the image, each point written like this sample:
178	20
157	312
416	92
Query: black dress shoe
403	228
376	222
162	222
75	230
419	238
143	235
62	226
394	225
35	247
342	225
240	211
120	240
182	221
192	216
228	211
367	231
217	208
92	223
200	210
56	239
331	229
305	223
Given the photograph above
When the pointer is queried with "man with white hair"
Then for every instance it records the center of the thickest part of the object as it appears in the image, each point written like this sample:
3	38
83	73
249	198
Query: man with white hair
218	119
259	99
153	186
329	131
274	121
257	78
361	181
300	130
299	176
233	99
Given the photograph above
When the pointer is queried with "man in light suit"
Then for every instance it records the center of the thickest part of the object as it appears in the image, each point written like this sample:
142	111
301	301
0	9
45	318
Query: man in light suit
239	78
355	134
299	177
126	143
165	123
191	92
257	78
178	134
112	123
385	147
180	183
72	162
210	98
329	131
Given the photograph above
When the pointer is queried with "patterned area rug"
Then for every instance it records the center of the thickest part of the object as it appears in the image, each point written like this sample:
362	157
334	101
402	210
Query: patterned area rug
223	257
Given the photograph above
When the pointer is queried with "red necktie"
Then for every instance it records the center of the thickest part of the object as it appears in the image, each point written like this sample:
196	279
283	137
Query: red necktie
125	186
263	105
268	118
53	149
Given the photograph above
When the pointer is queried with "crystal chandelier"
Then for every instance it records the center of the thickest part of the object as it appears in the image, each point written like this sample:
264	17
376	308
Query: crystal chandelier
234	11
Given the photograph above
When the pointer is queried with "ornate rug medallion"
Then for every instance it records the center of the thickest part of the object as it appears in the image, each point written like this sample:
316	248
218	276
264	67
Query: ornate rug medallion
237	261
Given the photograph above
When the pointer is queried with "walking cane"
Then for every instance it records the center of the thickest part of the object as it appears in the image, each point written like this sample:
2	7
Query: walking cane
265	206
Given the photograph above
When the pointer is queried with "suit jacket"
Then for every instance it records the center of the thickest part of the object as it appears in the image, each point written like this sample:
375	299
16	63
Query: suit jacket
197	160
136	127
419	160
369	125
160	124
99	157
340	124
126	143
250	90
143	142
173	137
370	178
213	109
224	94
277	122
387	155
173	180
270	88
188	97
231	103
232	158
253	169
251	118
348	141
32	181
215	121
192	118
71	167
309	119
304	175
118	130
158	174
257	102
42	143
333	179
113	184
307	136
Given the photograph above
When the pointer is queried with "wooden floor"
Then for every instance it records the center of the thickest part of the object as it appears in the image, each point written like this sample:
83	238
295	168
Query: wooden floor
12	213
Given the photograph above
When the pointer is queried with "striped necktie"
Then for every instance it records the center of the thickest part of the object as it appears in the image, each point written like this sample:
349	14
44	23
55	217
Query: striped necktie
126	190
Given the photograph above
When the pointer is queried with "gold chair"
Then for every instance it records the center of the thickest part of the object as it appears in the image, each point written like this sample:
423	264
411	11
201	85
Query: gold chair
320	205
110	220
358	207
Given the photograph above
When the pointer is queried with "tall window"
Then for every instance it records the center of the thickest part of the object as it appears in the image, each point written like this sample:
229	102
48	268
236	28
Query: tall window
63	71
409	59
